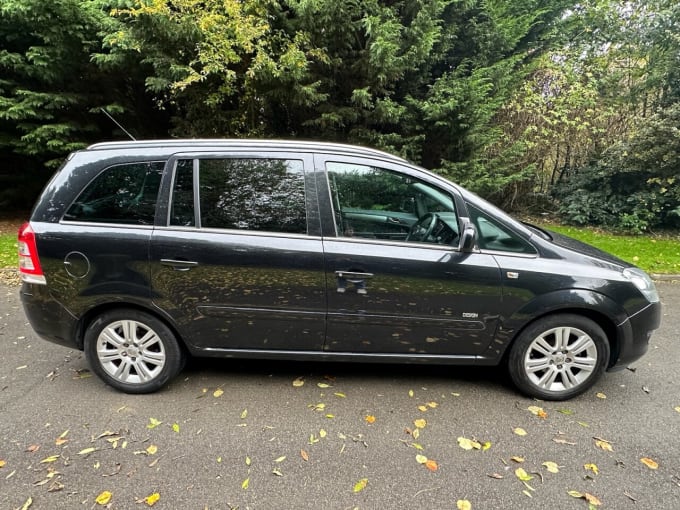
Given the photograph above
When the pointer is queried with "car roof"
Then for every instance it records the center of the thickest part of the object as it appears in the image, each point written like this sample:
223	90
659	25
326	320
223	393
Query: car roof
191	144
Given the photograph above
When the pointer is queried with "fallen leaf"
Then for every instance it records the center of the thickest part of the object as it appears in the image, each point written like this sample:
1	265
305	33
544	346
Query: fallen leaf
431	465
562	440
248	460
51	458
468	444
153	423
323	385
497	476
61	439
27	504
551	467
421	459
432	405
410	393
592	500
603	444
519	431
420	423
523	475
245	484
298	382
244	414
280	459
104	498
651	464
340	395
152	499
218	392
87	451
592	467
486	445
152	449
2	463
519	460
360	485
463	504
565	411
370	418
322	433
422	408
304	455
537	411
601	395
277	472
33	448
175	427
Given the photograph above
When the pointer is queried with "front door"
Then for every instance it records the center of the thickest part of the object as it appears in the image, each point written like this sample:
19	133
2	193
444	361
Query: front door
237	265
396	281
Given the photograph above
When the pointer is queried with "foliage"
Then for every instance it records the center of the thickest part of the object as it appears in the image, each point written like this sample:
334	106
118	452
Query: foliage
633	186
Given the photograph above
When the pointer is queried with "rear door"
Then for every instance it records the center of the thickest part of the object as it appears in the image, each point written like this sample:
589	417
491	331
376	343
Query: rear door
396	281
237	262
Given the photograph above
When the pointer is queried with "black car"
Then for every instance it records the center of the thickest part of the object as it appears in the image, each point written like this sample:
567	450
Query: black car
141	253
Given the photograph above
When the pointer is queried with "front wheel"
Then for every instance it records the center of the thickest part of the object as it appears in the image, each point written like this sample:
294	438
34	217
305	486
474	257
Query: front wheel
558	357
132	351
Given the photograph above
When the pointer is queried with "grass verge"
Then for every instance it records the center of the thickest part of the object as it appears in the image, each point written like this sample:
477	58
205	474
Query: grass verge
8	250
658	254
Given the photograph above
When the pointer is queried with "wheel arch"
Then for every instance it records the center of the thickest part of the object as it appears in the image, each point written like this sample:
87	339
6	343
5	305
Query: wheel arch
88	317
597	307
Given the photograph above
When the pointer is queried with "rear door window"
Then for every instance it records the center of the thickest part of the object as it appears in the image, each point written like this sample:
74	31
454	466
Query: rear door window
255	194
125	194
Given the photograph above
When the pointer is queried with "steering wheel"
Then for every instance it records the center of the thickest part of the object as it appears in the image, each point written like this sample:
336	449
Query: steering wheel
422	229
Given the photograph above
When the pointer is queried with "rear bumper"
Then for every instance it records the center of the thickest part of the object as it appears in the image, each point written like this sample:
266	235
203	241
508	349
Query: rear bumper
48	318
635	334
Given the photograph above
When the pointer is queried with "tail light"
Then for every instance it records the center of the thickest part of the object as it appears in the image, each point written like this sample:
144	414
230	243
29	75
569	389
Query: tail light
29	263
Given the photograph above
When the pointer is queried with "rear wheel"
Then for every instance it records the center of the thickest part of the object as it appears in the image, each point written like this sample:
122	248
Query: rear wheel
132	351
558	357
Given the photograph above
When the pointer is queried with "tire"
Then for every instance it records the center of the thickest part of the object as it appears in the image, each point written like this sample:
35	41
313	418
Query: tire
132	351
558	357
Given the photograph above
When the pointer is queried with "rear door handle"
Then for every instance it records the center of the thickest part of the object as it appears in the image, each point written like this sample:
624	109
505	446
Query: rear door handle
179	265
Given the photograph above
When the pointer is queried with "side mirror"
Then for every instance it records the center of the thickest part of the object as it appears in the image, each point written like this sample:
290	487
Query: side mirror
468	237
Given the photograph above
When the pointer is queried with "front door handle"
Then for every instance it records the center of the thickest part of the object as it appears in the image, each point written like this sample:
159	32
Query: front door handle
353	274
179	265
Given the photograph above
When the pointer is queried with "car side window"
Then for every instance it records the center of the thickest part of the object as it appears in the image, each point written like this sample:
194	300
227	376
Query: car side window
492	236
377	203
124	194
242	194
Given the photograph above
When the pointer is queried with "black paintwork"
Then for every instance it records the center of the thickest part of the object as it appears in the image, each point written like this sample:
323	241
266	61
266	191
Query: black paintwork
254	294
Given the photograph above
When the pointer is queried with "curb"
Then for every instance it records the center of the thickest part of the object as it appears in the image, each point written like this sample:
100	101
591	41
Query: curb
668	278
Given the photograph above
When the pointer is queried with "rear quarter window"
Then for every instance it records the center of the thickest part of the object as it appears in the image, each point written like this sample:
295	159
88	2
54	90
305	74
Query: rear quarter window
124	194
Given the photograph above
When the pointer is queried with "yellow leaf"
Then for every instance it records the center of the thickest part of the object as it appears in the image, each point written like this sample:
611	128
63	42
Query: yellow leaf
592	467
245	484
86	451
551	467
420	423
244	414
463	504
431	465
370	418
417	446
322	433
153	423
537	411
27	504
421	459
519	460
523	475
51	458
330	416
323	385
218	392
175	427
422	408
410	393
298	382
415	433
340	395
360	485
519	431
575	494
601	395
280	459
468	444
604	445
152	449
248	461
104	498
486	445
593	500
151	499
651	464
432	405
677	409
2	463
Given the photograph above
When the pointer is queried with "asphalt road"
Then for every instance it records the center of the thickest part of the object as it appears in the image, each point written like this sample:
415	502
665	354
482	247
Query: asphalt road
236	434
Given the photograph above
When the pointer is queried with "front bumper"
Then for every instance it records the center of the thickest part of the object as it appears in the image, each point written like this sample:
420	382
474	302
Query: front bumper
634	335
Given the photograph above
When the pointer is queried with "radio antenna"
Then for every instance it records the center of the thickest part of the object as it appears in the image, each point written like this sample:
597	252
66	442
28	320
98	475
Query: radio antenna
118	124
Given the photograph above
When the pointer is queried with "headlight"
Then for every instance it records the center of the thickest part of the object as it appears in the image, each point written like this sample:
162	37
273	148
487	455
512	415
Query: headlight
643	282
